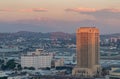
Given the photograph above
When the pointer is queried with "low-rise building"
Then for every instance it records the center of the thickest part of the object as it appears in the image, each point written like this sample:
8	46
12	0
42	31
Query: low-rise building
3	75
59	62
37	60
115	72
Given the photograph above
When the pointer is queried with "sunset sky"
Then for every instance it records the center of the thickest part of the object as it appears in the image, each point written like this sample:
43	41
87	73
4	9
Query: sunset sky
59	15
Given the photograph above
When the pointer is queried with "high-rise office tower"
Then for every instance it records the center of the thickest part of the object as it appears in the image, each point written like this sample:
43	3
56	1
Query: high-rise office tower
87	43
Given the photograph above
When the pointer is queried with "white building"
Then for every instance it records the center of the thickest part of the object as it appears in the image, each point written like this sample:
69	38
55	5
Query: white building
36	60
115	71
2	74
18	77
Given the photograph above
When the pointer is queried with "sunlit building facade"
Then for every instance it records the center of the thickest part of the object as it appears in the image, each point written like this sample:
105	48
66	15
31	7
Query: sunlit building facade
87	43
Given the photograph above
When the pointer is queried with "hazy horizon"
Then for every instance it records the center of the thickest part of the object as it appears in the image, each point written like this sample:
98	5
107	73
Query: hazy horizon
58	32
59	15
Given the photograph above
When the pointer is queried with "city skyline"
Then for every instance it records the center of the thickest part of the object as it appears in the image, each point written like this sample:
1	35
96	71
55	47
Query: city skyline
59	15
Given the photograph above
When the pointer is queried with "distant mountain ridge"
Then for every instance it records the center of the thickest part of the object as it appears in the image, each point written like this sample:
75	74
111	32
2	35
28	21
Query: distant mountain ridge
27	34
52	35
115	35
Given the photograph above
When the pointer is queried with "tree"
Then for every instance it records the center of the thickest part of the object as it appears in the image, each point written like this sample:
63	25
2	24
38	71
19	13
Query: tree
104	72
3	77
19	67
1	61
11	64
31	68
3	67
25	67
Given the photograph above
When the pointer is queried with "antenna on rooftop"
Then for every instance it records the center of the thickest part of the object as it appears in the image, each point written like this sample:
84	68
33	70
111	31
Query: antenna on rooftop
93	25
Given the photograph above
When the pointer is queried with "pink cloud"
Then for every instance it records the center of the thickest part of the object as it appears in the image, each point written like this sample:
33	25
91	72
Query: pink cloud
108	13
34	10
90	10
81	9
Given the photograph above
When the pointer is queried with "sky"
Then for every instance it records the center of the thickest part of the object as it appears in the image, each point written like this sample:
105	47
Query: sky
59	15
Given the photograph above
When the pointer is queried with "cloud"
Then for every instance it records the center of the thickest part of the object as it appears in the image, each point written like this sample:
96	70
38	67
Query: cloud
24	10
6	10
98	13
81	9
111	10
34	10
92	10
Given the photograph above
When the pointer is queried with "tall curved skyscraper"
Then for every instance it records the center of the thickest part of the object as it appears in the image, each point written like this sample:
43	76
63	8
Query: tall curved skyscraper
87	43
